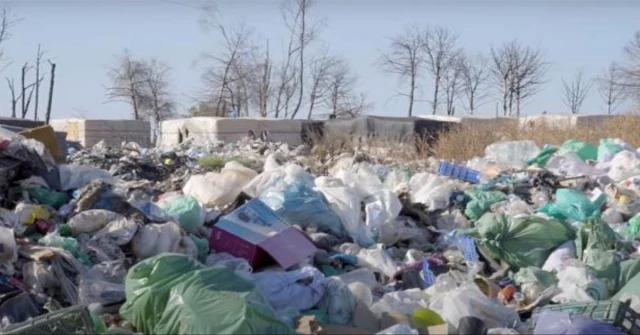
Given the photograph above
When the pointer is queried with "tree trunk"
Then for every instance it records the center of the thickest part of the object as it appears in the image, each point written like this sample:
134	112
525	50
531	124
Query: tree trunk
412	92
302	35
435	95
53	75
24	90
37	102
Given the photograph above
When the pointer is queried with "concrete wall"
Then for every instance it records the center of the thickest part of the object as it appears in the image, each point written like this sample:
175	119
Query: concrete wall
113	132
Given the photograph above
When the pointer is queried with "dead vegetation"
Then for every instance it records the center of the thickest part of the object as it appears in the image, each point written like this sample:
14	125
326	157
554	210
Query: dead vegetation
463	142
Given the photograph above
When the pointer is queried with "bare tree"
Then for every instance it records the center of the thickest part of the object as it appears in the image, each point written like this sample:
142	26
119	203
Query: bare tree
440	48
14	99
353	106
127	78
38	81
518	72
156	100
575	92
52	77
7	21
321	72
226	77
474	79
629	71
340	84
451	84
405	58
611	92
260	83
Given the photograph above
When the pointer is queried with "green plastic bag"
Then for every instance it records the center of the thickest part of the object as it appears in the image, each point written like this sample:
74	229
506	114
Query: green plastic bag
174	294
608	149
631	285
634	226
47	197
584	150
543	157
186	210
597	234
571	204
535	275
522	241
481	201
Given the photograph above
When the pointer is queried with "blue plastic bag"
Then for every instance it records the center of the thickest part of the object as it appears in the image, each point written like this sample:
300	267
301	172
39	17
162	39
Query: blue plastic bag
300	204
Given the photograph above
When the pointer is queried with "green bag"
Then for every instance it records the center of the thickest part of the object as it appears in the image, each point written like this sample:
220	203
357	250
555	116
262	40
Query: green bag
583	150
49	198
522	241
570	204
481	201
186	210
543	157
174	294
629	284
535	275
608	149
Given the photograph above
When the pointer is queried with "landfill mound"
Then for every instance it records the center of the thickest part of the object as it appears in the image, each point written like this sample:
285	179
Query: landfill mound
258	238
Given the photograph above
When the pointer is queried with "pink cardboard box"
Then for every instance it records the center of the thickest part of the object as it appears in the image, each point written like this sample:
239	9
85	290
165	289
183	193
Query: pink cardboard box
256	233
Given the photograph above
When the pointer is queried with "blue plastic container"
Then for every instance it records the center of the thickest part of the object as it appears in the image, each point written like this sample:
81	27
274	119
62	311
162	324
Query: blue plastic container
459	172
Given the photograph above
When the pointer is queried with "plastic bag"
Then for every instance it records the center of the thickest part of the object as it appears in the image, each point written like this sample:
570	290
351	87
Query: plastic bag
468	300
512	206
378	260
299	204
543	156
570	204
582	149
300	289
73	177
90	221
238	265
609	147
8	247
404	302
284	175
39	277
398	180
107	243
381	209
563	253
186	210
47	197
338	301
551	322
345	202
103	283
512	154
217	190
571	165
521	241
481	201
399	329
431	190
362	275
153	239
174	294
625	164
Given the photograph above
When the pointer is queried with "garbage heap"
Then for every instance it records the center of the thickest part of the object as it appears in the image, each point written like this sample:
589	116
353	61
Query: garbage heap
132	240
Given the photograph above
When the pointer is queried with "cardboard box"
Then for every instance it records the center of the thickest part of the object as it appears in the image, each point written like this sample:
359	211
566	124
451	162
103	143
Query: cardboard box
256	233
46	136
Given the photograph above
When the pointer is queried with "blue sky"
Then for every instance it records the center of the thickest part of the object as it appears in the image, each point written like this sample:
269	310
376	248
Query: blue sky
82	37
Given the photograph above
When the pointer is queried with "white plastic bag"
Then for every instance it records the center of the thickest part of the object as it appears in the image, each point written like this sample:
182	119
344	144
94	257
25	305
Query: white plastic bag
431	190
377	259
345	202
8	247
561	254
512	154
217	190
362	275
284	175
579	284
92	220
624	164
153	239
238	265
381	208
301	289
468	300
569	164
73	177
404	302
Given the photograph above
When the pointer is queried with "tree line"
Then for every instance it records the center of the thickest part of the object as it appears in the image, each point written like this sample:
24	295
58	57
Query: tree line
246	77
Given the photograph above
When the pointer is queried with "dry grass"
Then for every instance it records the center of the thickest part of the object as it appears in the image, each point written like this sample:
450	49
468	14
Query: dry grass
464	142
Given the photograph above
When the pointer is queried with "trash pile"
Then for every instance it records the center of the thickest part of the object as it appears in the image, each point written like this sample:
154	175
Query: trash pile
524	240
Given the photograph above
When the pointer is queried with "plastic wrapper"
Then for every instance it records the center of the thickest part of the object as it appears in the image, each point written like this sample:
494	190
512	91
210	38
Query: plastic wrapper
91	221
625	164
431	190
73	177
512	154
103	283
300	289
468	300
174	294
378	260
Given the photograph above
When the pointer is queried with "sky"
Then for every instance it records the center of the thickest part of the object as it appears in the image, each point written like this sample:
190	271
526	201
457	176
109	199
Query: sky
83	36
